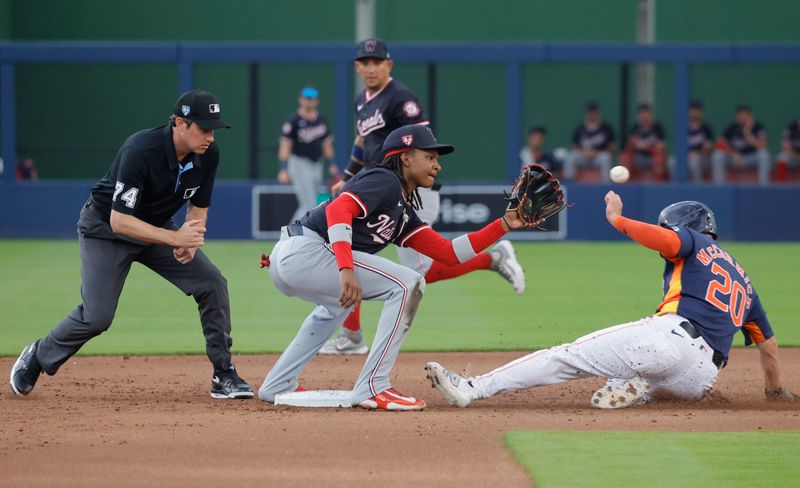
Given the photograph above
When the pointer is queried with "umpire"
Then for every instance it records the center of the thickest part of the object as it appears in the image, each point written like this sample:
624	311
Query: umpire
129	218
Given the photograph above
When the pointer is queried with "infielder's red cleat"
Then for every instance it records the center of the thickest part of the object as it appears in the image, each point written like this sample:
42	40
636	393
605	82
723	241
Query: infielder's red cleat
391	399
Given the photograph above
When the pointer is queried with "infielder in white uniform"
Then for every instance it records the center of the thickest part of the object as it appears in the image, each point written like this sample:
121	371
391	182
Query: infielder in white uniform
708	297
330	260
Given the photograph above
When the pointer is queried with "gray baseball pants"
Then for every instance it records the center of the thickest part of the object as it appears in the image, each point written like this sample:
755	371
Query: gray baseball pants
304	266
105	263
306	177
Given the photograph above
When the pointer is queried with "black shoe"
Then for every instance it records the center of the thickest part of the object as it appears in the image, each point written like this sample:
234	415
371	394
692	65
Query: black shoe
227	384
26	371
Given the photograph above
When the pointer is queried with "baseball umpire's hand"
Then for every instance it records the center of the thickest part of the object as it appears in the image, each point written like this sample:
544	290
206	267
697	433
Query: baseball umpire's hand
184	255
191	234
351	288
613	207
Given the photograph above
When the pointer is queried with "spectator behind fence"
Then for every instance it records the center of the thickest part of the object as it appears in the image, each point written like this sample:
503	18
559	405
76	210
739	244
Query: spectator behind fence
592	145
788	163
305	142
645	153
700	143
26	170
534	152
741	149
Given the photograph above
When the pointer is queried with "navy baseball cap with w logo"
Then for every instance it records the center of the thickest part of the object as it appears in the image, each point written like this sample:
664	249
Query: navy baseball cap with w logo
373	48
410	137
202	108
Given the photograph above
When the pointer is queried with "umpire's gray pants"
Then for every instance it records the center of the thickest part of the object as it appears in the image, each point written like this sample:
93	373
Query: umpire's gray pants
306	177
105	263
305	267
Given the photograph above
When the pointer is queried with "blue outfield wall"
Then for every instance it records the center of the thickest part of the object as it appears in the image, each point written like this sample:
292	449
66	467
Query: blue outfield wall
744	213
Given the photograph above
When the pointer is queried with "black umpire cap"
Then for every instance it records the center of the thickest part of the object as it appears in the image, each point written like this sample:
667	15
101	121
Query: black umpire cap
372	48
413	137
202	108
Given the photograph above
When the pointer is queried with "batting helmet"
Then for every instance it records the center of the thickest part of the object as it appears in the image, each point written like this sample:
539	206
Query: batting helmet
690	214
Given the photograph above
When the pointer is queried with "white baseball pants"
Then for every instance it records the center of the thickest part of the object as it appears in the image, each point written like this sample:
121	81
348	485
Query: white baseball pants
655	348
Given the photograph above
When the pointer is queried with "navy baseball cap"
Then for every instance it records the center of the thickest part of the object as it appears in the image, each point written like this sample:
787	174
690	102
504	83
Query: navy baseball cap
309	92
413	137
592	105
202	108
372	48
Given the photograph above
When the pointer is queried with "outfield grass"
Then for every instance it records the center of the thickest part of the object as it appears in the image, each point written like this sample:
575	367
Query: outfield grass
656	459
573	288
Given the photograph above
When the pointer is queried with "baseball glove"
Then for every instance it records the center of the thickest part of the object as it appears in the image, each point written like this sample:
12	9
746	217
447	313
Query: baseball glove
780	395
535	195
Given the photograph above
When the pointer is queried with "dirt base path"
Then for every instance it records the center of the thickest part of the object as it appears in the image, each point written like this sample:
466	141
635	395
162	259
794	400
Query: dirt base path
118	421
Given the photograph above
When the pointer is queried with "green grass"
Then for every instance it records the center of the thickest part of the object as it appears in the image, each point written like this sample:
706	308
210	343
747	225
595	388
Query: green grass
573	288
658	459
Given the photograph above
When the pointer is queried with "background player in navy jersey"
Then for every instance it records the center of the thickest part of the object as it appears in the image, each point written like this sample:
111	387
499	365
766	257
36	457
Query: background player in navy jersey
592	144
708	298
534	151
700	142
384	105
330	261
742	145
789	158
645	154
306	142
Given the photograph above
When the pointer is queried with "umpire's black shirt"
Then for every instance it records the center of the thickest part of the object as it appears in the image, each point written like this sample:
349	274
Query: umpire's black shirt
147	181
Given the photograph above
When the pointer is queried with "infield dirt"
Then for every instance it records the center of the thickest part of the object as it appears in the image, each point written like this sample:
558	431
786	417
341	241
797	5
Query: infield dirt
134	421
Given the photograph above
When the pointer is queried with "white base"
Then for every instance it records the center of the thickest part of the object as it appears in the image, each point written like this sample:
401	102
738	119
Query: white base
315	398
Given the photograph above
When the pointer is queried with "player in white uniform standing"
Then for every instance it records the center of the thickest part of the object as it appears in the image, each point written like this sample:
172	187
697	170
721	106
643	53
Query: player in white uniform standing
383	106
329	260
708	297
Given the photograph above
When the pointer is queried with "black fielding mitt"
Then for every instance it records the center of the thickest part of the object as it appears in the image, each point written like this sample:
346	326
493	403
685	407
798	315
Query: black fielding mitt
536	195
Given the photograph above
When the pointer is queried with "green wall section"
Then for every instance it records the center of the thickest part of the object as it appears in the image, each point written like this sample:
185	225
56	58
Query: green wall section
72	118
199	20
507	20
728	20
5	19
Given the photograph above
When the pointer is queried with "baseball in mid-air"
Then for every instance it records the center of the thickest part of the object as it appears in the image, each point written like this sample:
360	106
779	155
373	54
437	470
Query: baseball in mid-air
619	174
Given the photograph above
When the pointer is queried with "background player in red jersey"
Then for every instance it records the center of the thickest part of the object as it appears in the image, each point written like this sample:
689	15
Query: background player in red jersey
708	298
384	105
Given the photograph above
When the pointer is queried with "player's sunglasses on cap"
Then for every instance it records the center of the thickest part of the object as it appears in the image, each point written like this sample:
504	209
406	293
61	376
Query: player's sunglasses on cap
372	48
202	108
411	137
309	92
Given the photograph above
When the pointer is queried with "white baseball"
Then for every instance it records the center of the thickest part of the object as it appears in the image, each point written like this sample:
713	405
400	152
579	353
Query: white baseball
619	174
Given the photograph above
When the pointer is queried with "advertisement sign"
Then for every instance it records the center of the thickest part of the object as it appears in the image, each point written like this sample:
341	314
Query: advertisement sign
463	208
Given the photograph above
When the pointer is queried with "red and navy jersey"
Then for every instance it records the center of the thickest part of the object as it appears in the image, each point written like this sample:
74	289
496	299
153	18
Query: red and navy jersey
598	138
736	140
378	115
706	285
650	135
306	135
792	135
386	217
700	137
